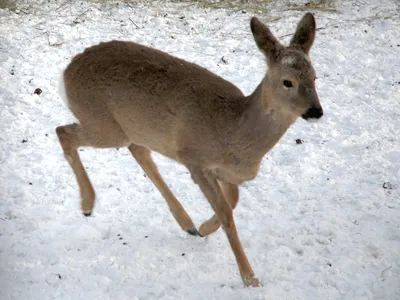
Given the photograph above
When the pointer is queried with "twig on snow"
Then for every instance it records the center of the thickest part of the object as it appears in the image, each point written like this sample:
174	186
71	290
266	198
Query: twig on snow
83	13
388	268
134	23
62	6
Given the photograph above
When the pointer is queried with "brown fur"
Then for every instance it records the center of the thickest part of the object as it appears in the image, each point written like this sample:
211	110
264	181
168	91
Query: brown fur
129	95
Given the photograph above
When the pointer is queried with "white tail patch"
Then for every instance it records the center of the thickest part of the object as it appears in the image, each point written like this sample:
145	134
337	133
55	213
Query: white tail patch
61	89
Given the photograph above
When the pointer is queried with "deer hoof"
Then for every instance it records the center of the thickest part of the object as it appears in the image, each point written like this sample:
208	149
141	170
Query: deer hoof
87	213
193	231
252	282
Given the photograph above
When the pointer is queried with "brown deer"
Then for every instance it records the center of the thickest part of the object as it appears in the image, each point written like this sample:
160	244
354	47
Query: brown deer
129	95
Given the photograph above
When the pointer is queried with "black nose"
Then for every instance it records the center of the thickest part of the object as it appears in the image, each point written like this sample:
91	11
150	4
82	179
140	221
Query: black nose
313	113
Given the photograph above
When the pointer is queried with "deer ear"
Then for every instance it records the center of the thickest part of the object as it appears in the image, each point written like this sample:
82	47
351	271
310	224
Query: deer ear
305	33
265	40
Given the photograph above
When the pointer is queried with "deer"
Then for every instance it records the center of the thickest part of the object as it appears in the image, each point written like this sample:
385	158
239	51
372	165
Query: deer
129	95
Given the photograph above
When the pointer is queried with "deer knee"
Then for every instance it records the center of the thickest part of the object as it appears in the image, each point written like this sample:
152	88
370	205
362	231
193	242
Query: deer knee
60	131
139	152
67	138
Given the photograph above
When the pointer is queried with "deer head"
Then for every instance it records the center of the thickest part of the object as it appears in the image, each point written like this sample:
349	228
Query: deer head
290	81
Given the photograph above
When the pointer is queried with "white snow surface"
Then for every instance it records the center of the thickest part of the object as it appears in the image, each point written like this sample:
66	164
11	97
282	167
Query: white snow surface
320	221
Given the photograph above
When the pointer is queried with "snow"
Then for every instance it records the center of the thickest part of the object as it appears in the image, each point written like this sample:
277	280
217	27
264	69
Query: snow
320	221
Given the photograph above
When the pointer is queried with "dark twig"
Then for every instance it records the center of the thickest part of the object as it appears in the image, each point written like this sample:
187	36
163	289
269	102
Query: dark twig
134	23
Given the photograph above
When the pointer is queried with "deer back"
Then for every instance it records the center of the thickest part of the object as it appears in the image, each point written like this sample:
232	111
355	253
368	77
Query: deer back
159	101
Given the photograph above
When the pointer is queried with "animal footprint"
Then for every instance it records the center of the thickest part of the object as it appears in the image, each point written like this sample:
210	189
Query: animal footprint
121	238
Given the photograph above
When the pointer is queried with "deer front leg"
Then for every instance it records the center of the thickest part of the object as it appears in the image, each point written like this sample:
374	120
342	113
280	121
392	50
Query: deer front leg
213	192
231	193
143	157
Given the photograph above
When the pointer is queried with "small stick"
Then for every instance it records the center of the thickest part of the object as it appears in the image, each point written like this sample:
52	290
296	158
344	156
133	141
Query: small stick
134	23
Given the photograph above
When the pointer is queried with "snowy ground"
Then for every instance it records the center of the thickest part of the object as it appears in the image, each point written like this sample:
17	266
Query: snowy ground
321	221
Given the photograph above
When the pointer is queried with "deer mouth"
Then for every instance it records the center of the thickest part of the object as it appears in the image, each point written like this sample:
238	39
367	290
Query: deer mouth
313	113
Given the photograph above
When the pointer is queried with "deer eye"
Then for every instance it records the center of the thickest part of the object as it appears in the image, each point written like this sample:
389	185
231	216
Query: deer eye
287	83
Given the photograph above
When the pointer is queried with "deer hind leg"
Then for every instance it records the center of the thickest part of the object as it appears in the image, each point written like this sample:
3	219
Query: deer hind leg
143	157
71	137
213	192
231	193
100	134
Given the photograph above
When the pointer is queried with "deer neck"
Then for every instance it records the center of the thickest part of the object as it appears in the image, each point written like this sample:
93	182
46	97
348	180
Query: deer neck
262	125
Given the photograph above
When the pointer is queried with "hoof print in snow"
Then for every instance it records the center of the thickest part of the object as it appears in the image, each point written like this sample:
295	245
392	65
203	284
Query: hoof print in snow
146	236
387	186
299	141
24	141
329	264
124	243
38	91
183	254
182	17
30	183
224	60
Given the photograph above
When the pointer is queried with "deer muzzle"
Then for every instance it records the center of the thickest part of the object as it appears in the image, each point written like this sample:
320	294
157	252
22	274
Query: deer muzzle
313	113
315	110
